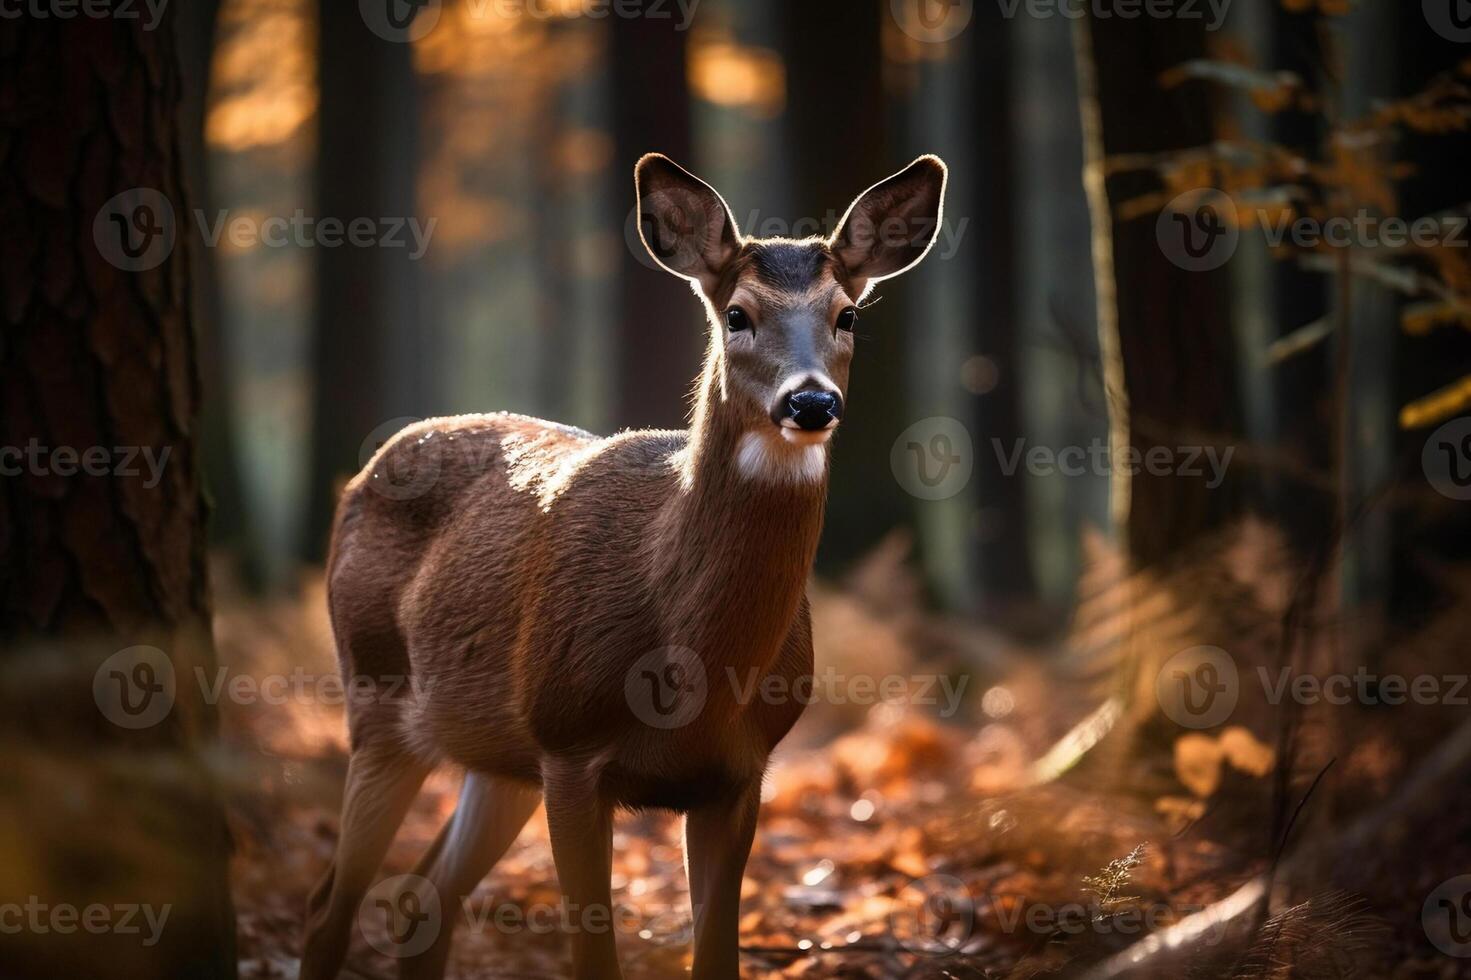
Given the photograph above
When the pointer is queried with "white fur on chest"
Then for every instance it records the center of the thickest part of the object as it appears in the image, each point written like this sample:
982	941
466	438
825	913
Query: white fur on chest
763	459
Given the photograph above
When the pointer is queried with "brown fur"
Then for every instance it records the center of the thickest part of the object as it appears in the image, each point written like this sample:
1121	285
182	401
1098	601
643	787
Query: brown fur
536	568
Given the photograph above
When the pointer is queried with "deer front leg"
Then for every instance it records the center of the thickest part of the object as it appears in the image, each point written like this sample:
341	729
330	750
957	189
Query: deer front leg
717	842
581	826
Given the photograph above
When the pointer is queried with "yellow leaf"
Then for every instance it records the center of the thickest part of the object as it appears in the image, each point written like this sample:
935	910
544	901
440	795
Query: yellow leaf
1438	406
1246	752
1419	319
1198	763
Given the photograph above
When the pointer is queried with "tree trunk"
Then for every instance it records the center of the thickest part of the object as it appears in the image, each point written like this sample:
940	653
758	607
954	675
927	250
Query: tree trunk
1165	331
1005	566
102	532
229	519
660	333
367	360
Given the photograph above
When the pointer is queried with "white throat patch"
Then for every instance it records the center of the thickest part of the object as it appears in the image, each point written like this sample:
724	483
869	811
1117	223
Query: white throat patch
765	459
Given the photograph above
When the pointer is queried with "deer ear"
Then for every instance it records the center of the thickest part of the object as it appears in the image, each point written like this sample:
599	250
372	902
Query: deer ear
683	222
891	226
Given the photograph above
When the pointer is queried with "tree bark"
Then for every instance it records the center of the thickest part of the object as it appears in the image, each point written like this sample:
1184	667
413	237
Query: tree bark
102	516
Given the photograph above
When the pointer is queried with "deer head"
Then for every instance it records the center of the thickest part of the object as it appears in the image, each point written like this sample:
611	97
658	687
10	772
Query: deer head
782	311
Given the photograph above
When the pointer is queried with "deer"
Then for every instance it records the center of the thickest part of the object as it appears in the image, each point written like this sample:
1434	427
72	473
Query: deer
569	606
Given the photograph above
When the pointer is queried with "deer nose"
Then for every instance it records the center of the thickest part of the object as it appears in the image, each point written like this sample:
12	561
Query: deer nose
814	410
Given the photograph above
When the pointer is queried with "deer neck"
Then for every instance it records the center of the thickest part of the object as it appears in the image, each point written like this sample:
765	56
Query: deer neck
739	537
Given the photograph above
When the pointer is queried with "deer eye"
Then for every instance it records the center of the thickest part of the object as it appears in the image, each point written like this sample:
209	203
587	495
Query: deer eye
737	319
847	319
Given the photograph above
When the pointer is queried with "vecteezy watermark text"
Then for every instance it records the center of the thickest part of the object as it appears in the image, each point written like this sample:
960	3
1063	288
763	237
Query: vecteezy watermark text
92	9
893	232
669	687
406	21
831	686
402	916
1200	687
681	12
938	915
137	230
66	461
304	231
123	919
1098	459
1200	229
1216	10
137	687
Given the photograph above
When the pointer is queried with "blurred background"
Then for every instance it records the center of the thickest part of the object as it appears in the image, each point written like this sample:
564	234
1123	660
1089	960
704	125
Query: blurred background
1176	233
514	129
508	132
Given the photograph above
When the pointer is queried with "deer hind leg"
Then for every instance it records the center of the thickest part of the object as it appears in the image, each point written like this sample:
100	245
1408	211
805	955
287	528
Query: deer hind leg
487	820
382	782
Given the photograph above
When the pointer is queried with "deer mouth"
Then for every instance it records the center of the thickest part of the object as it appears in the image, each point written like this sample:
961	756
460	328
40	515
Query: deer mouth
798	436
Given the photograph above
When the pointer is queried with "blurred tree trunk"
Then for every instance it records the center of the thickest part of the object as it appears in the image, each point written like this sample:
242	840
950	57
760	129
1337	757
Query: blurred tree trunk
660	334
102	526
1283	404
837	144
552	240
1005	559
1368	415
1165	331
1057	346
229	519
368	356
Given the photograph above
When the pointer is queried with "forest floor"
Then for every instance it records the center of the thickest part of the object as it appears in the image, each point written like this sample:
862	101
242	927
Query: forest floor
1007	816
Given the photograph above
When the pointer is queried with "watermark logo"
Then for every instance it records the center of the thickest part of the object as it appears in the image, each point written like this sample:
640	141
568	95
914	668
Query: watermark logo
932	21
1199	687
933	458
401	21
933	916
667	688
1446	916
401	916
412	469
135	230
1446	459
1451	19
135	688
1198	230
